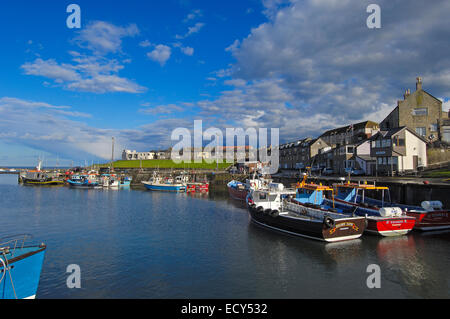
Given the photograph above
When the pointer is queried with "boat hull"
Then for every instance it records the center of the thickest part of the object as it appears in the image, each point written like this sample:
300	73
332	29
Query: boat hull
238	194
42	183
83	185
25	273
388	227
428	221
344	229
197	187
165	188
383	226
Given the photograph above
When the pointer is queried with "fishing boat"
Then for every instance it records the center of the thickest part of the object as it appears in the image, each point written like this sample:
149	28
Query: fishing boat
351	199
83	181
431	215
39	177
125	181
239	190
20	267
168	184
109	181
192	187
302	212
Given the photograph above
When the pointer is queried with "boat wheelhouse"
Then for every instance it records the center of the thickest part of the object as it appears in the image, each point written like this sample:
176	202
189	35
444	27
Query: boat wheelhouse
125	181
382	219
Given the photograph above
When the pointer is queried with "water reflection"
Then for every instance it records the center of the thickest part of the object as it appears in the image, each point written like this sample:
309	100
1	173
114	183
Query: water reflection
414	265
142	244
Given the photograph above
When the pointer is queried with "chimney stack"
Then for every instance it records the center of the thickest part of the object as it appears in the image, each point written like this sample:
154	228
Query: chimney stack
419	83
407	93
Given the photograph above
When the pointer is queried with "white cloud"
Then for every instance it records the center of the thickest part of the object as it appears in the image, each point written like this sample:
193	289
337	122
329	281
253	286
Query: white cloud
194	14
315	65
102	37
93	72
191	30
85	74
160	54
145	44
46	127
188	51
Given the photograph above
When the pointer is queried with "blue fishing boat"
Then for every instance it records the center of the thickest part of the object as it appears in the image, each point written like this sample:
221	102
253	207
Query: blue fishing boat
125	181
157	183
20	267
83	181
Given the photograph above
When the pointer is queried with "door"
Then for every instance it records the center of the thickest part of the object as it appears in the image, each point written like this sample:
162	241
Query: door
415	162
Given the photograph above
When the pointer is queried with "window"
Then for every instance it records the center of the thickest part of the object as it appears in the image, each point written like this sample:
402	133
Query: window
350	150
401	142
422	131
385	143
380	161
433	128
420	111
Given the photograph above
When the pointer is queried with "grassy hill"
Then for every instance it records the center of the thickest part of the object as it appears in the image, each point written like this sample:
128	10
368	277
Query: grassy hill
167	164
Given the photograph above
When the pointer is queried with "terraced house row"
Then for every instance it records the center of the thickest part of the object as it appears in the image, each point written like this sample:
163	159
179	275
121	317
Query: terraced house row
397	145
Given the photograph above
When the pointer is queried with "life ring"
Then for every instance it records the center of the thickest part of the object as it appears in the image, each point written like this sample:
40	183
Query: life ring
329	222
275	214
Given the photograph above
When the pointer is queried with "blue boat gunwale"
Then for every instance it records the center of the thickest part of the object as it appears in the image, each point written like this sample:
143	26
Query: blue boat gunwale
41	247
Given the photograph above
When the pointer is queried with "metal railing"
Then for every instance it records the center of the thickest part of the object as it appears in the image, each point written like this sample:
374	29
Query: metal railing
9	244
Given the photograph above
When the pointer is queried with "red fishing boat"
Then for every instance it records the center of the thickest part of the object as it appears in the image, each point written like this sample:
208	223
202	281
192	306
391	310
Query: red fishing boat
196	187
431	215
237	190
382	219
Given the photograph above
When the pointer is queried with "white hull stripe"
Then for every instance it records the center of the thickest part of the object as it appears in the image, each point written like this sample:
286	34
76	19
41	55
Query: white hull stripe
31	297
388	233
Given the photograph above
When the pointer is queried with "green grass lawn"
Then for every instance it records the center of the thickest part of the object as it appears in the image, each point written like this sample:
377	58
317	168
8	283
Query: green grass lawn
438	174
167	164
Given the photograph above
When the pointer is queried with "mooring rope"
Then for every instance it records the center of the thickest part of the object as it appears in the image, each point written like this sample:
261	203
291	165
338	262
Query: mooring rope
5	268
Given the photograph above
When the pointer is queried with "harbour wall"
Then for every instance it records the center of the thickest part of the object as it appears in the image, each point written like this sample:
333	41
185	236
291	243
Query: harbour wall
411	193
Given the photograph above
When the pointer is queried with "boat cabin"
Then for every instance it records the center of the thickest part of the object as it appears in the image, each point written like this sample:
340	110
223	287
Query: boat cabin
358	193
312	193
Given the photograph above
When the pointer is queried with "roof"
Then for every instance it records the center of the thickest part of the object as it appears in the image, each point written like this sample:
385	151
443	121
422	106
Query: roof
362	186
344	129
394	131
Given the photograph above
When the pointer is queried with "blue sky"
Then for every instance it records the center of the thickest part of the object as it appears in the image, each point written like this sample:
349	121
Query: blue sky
138	69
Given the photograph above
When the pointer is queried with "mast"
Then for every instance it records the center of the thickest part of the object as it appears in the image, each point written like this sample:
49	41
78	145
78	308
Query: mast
112	156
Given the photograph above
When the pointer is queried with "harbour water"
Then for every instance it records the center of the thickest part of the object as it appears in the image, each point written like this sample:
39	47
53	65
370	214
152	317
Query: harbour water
141	244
